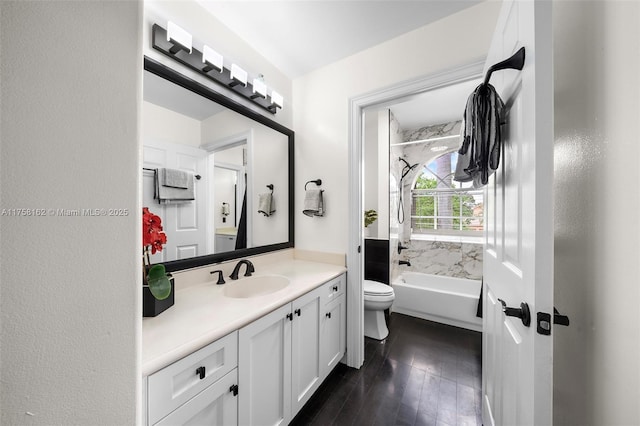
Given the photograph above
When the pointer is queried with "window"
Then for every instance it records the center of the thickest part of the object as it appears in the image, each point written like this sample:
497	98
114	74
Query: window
440	205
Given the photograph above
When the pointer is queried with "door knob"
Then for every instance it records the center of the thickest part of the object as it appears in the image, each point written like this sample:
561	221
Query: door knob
522	312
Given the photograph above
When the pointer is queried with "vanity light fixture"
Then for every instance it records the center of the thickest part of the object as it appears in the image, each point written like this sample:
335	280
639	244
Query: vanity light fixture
238	75
212	60
177	44
180	38
259	87
276	100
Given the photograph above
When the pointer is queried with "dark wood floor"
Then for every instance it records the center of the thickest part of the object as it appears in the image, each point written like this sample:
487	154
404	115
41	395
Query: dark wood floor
424	373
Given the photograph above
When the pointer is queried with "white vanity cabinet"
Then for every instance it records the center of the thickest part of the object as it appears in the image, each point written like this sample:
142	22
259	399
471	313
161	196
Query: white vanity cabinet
305	348
197	389
285	356
225	243
261	374
265	369
333	326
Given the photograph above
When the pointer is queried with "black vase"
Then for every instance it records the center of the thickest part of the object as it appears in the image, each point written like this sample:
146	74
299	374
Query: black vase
151	306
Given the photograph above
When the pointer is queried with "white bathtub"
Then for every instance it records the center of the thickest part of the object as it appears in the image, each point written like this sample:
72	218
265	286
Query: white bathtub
447	300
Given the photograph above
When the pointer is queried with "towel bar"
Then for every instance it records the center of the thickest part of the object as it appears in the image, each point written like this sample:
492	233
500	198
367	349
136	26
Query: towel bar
198	177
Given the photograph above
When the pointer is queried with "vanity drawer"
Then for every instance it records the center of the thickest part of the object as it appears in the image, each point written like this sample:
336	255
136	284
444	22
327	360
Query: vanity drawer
334	288
175	384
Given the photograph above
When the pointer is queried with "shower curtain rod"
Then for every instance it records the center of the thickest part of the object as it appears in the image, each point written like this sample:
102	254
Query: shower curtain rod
439	138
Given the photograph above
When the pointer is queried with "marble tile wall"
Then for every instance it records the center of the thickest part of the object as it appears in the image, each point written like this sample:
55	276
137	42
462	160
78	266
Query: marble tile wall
460	260
395	168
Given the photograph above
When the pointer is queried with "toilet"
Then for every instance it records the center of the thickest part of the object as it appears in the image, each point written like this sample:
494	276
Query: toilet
377	298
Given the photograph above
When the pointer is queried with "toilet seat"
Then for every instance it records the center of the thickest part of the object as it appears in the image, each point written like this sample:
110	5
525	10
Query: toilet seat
377	289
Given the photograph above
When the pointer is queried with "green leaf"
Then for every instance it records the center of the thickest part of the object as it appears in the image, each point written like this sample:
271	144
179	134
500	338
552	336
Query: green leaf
159	283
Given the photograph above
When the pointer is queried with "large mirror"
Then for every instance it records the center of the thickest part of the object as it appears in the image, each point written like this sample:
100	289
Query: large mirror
219	175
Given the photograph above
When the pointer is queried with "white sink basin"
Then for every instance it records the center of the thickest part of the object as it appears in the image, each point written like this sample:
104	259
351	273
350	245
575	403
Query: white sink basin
257	285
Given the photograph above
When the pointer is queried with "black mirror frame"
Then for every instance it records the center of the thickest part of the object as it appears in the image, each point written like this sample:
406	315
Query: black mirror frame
175	77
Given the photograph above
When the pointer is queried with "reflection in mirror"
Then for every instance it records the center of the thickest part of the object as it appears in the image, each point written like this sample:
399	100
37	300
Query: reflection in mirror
231	156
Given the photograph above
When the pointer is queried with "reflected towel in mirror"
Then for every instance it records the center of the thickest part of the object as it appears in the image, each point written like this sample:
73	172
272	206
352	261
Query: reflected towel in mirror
313	203
266	204
172	195
176	178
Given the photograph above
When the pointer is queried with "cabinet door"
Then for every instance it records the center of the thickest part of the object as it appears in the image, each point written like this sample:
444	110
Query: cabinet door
333	334
177	383
216	405
305	353
264	370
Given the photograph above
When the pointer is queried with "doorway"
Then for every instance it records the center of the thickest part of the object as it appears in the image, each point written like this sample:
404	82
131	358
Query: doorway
358	106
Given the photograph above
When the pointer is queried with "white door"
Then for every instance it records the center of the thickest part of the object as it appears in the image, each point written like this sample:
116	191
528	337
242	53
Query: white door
184	224
264	370
305	348
518	258
333	325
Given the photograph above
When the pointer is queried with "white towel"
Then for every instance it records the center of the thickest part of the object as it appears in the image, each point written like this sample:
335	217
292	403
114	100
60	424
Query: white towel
176	178
313	203
266	204
170	195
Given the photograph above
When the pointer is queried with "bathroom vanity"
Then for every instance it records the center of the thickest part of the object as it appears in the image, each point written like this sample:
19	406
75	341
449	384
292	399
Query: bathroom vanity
227	354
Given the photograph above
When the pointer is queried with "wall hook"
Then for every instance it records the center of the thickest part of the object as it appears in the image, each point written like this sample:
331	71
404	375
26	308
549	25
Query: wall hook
515	62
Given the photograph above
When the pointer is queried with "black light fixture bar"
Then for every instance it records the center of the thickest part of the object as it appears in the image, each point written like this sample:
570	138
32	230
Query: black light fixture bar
193	60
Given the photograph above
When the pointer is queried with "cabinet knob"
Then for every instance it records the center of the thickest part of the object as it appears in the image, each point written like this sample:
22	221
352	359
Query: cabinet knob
335	288
328	315
290	317
297	312
234	389
202	372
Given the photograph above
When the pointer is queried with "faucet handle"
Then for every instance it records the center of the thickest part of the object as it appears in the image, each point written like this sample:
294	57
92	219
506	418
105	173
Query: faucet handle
220	277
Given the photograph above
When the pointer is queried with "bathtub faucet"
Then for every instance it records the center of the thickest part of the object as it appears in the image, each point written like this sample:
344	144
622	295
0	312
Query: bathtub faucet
401	247
404	262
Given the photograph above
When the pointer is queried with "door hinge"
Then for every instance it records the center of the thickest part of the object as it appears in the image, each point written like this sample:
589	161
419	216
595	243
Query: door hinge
544	321
359	249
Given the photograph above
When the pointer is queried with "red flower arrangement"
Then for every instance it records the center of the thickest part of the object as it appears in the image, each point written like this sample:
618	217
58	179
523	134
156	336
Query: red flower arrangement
153	239
152	236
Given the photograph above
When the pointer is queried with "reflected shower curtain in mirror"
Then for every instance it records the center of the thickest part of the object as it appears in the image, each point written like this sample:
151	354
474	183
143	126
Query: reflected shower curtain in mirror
241	238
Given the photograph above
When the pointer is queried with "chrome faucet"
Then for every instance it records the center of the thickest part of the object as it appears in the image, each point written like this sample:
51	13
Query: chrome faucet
236	270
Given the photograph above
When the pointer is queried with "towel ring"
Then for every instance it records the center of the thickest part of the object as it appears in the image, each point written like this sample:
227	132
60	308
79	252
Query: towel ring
317	182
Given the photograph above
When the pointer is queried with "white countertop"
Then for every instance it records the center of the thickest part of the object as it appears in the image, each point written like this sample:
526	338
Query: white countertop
202	314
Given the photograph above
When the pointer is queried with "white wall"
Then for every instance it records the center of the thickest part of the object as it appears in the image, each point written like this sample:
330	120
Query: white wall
163	125
321	108
371	172
597	203
70	286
